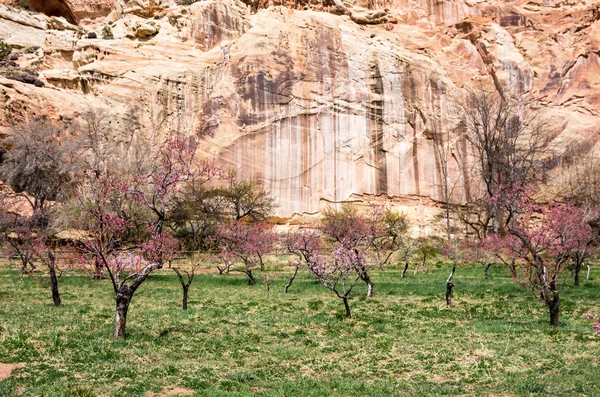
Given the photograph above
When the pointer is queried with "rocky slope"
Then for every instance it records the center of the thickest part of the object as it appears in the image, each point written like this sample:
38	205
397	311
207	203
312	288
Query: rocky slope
319	100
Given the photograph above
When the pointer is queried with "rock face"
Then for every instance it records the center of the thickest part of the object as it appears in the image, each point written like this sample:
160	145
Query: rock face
319	103
73	11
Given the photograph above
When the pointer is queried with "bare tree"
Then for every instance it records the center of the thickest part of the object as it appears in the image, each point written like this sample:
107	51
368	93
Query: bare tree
40	162
186	281
442	147
508	135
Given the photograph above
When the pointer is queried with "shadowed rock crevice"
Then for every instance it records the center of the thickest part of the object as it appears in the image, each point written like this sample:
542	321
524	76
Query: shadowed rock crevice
375	112
53	8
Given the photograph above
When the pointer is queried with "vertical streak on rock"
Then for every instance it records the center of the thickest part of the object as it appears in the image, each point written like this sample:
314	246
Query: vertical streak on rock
305	167
335	156
438	151
415	156
375	112
409	88
464	149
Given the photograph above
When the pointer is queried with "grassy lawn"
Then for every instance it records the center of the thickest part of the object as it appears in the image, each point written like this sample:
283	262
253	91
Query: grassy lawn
494	341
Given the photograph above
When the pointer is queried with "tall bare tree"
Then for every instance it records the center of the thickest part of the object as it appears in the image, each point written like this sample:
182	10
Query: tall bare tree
508	134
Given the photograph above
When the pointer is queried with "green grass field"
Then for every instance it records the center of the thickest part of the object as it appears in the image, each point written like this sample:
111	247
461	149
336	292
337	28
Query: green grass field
235	341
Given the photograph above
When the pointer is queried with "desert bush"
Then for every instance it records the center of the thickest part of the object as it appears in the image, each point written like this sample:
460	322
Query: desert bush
5	50
107	33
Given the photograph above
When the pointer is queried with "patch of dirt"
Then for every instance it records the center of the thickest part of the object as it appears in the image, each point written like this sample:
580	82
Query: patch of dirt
171	391
5	369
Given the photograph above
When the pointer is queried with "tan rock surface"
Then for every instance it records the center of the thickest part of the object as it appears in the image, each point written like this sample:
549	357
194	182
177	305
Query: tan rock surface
313	104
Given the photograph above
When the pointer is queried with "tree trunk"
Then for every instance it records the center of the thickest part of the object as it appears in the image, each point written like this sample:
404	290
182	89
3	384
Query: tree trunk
251	279
24	261
370	286
364	276
289	284
554	307
486	270
184	285
404	270
347	306
184	305
98	270
588	272
449	286
123	300
54	285
576	269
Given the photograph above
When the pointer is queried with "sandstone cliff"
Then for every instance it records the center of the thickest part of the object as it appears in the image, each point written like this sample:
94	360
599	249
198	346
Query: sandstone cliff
320	101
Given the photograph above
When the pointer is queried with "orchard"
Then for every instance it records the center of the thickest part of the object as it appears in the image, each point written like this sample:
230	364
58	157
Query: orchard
100	253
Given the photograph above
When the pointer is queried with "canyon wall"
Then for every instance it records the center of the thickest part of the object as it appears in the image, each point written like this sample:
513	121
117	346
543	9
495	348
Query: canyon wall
319	101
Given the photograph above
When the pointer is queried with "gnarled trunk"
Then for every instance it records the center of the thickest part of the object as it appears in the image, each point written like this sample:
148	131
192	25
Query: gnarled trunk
486	270
251	279
404	270
370	286
24	262
347	306
364	276
124	294
123	299
289	284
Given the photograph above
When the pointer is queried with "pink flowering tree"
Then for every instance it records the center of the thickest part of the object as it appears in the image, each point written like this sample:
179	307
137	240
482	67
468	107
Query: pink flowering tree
378	235
585	240
302	245
158	190
540	243
389	238
175	166
595	322
164	248
355	232
245	244
104	240
104	225
365	235
478	251
26	237
18	238
338	271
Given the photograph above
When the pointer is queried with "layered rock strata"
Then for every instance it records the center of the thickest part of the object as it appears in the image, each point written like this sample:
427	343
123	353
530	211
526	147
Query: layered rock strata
319	102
